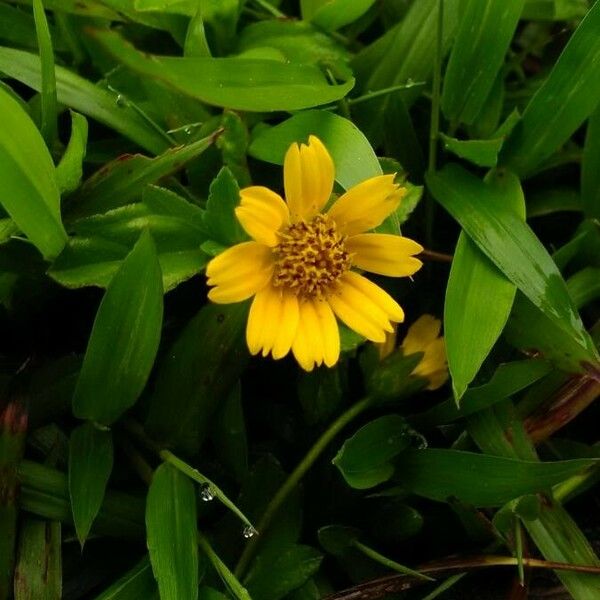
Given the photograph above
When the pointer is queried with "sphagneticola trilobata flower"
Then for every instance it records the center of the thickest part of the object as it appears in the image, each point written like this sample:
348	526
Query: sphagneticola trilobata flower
303	266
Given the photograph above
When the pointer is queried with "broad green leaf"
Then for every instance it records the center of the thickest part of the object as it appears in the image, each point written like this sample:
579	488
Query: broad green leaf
508	379
584	286
296	41
125	178
479	479
333	14
337	539
172	533
102	242
562	103
137	583
39	544
124	339
237	83
483	153
29	191
554	10
85	97
220	221
17	27
196	43
559	538
548	201
48	104
90	465
473	323
511	245
69	170
590	168
365	459
193	378
352	154
233	144
45	493
483	38
528	328
294	566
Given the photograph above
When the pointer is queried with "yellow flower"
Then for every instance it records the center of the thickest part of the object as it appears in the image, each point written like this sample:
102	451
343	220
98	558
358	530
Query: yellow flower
299	265
422	336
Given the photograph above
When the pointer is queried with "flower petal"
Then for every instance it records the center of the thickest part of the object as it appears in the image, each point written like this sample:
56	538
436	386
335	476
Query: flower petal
288	325
365	307
239	272
421	333
303	347
308	173
262	213
366	205
330	333
384	254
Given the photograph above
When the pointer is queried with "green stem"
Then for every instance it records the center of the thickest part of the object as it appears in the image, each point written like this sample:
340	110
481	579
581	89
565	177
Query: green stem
388	562
234	586
434	128
384	91
294	479
270	8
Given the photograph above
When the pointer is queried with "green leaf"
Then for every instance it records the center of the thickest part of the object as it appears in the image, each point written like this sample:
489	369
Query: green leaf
554	10
90	465
29	191
39	544
193	378
86	98
333	14
70	168
483	153
125	178
237	83
590	168
479	479
102	242
337	539
365	459
484	35
510	244
124	338
352	154
137	583
49	108
472	324
172	534
294	566
562	103
508	379
220	221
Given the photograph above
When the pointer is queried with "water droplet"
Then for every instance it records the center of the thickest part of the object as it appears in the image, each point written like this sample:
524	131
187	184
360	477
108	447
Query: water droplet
187	130
206	492
249	532
121	102
410	81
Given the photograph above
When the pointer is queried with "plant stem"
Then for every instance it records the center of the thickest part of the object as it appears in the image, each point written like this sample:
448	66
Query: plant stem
294	479
384	91
388	562
434	128
270	8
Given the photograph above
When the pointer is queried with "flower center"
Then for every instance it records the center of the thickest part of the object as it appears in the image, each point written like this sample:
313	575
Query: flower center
310	257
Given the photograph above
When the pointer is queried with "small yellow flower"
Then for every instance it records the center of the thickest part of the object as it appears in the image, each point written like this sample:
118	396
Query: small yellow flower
299	265
423	336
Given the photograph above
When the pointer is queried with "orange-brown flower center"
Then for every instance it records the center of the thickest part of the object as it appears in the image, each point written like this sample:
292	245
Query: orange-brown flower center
310	257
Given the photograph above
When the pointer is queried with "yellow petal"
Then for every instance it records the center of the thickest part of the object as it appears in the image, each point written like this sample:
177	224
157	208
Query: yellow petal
330	333
303	347
239	272
262	213
421	333
365	307
437	379
384	254
288	325
311	329
308	174
366	205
